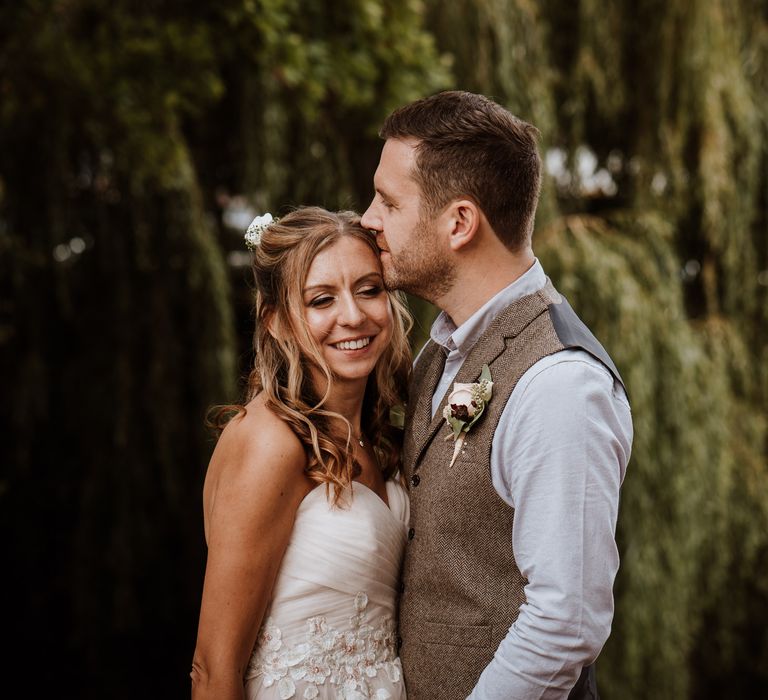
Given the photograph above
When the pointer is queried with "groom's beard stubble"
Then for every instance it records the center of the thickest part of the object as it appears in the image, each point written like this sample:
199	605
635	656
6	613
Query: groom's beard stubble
420	268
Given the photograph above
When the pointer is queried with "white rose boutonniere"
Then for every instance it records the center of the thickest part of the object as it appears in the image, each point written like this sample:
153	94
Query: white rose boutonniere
466	404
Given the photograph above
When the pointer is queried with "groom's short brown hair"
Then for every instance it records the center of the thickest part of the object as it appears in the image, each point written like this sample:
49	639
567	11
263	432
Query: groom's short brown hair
470	146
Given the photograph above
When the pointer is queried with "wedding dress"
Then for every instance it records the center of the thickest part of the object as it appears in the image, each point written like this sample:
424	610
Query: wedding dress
329	631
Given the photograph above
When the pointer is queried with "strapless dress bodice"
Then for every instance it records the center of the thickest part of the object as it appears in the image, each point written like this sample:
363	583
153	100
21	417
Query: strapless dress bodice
329	631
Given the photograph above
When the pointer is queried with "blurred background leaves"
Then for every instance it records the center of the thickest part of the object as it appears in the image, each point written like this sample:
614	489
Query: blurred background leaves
137	139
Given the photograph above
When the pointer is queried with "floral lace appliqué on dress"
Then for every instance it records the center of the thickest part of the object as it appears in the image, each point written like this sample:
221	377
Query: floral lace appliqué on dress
350	659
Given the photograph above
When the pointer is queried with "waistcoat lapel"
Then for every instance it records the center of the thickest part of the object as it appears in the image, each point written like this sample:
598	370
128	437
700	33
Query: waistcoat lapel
507	325
418	414
422	416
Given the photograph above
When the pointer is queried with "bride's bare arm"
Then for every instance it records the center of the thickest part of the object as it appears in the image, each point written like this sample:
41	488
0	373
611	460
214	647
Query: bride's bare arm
253	488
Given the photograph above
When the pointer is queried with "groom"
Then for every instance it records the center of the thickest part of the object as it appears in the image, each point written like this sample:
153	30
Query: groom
511	556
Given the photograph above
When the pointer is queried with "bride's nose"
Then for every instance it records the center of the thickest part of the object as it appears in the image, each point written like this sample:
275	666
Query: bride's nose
350	313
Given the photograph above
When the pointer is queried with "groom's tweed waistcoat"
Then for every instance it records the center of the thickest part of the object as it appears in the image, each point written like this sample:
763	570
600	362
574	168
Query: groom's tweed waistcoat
462	589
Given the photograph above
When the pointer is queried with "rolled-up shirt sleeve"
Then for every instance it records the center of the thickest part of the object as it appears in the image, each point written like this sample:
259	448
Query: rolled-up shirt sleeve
558	457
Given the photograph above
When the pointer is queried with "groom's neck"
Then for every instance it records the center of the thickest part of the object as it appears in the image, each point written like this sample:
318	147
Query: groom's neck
480	276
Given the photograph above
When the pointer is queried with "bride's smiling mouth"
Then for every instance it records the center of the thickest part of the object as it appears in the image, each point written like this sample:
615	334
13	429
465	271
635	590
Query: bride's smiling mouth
353	343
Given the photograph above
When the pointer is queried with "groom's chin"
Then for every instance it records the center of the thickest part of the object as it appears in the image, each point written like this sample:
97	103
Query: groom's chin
394	279
391	280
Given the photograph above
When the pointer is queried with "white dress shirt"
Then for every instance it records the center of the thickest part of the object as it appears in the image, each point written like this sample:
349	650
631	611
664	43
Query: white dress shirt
558	458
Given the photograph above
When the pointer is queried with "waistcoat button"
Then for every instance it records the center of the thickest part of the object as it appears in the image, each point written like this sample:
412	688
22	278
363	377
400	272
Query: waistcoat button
411	533
415	479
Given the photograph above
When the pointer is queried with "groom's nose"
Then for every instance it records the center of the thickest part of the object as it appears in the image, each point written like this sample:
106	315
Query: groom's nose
370	220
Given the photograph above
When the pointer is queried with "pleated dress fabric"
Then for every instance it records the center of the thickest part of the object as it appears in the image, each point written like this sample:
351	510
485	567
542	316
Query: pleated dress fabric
329	631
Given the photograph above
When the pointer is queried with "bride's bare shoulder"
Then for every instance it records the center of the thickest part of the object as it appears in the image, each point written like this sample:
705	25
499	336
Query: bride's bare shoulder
260	429
258	447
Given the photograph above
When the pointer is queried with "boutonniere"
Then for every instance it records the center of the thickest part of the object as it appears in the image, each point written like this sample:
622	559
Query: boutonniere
466	403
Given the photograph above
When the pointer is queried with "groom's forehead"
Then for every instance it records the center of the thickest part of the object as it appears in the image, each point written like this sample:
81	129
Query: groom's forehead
400	152
395	171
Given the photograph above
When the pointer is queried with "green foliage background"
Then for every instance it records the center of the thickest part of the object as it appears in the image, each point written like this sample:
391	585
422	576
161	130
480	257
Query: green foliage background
127	129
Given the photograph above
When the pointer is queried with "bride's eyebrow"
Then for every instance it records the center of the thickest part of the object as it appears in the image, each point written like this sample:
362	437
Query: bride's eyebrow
373	276
319	286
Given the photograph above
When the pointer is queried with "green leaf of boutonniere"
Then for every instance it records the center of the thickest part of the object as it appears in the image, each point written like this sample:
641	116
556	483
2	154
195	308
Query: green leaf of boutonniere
397	416
456	425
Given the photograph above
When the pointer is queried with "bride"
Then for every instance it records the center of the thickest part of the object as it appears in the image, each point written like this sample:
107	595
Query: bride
305	518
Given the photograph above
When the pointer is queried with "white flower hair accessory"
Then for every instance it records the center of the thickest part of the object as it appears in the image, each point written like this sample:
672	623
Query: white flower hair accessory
256	228
466	403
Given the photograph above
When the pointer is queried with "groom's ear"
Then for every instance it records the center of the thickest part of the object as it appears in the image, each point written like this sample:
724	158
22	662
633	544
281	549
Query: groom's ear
463	219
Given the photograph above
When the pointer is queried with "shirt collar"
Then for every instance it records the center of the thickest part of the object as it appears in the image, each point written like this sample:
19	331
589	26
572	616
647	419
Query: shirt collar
445	333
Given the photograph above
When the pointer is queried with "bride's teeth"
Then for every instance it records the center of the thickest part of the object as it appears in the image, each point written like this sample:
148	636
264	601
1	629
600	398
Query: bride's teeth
353	344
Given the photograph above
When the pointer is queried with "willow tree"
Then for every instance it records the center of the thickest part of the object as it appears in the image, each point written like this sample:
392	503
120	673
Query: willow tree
121	331
666	257
308	85
120	124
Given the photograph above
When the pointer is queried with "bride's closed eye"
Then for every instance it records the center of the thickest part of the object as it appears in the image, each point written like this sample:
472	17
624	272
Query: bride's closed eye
371	291
321	301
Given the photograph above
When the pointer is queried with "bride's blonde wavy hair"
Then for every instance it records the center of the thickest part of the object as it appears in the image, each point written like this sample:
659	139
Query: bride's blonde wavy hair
284	357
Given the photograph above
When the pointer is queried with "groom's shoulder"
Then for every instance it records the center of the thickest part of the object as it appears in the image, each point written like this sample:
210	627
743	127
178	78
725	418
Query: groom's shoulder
574	334
567	373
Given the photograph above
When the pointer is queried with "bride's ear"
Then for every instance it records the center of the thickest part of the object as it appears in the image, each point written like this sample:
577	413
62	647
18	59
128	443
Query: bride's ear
463	220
